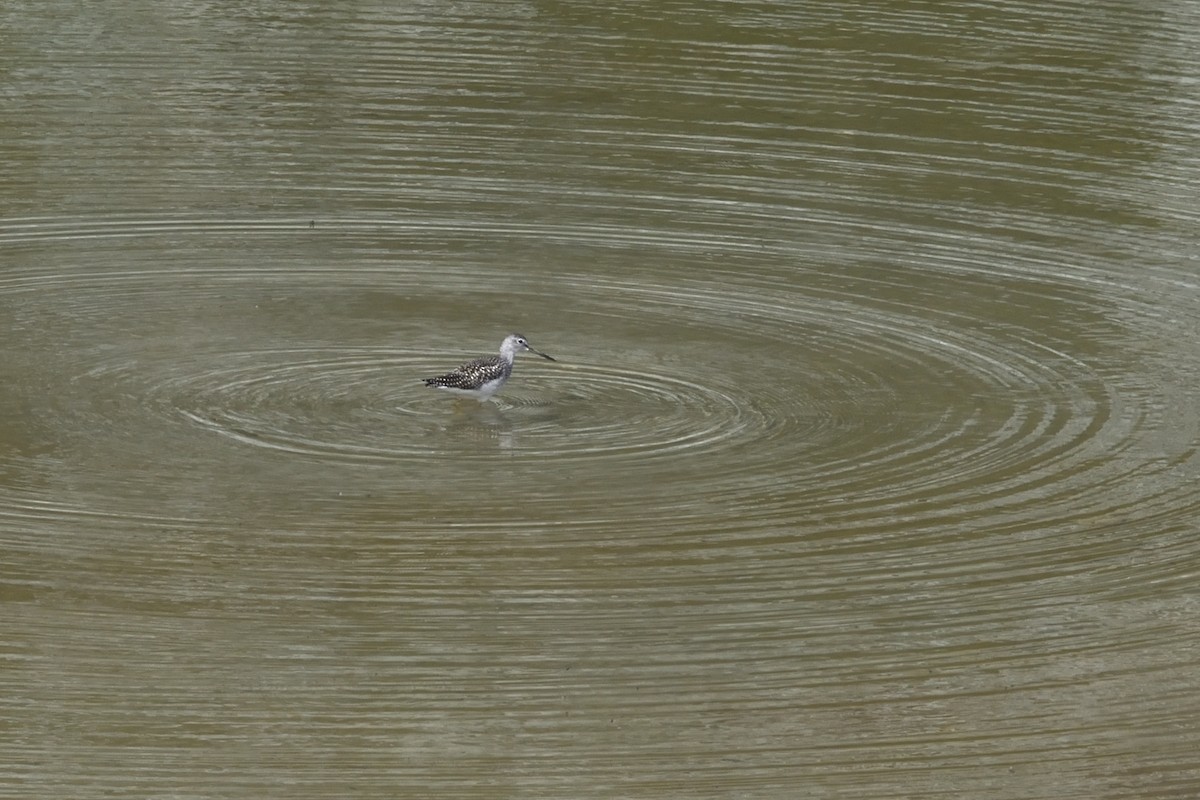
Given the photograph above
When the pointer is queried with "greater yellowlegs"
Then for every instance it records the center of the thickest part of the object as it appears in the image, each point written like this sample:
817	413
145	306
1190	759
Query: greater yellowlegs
483	377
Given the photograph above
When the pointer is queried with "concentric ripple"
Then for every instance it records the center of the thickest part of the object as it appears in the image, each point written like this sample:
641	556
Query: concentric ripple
764	398
836	408
362	404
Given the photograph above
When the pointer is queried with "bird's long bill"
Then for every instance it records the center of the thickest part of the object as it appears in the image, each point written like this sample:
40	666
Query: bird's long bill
543	355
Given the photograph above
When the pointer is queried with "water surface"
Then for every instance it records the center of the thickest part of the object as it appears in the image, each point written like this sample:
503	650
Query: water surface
866	470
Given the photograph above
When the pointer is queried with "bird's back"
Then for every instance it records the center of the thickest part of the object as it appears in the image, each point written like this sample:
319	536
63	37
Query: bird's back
473	374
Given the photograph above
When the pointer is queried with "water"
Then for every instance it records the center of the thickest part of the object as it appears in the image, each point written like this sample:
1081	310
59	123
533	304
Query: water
867	468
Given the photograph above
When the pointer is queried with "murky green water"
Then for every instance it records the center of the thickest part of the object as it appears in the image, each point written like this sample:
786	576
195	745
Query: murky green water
867	468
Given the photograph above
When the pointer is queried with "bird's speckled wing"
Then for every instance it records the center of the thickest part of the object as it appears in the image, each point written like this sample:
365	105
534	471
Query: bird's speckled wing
471	375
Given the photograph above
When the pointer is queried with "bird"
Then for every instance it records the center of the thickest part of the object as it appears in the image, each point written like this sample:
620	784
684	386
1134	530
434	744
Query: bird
483	377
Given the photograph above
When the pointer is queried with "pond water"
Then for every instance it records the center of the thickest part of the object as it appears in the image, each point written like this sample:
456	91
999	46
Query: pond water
867	467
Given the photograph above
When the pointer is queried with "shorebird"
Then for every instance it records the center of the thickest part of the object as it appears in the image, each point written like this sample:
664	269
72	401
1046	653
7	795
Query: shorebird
483	377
